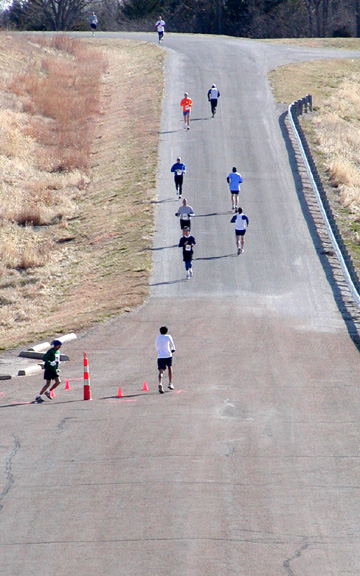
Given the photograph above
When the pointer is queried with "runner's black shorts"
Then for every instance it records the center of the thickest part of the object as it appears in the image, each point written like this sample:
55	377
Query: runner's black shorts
240	232
50	375
184	223
163	363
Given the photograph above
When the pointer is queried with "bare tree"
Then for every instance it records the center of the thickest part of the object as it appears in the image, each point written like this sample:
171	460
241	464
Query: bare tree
320	10
57	15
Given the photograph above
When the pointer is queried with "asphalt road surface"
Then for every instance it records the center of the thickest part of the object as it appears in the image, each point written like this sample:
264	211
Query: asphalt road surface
251	466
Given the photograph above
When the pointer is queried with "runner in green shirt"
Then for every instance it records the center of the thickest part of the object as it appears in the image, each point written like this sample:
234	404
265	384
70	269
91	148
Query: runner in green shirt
52	370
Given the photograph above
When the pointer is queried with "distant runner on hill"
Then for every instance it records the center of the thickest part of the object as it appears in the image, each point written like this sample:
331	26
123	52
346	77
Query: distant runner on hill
160	26
93	23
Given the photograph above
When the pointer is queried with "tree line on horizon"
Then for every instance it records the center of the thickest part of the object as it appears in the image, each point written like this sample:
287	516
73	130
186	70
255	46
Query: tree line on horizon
246	18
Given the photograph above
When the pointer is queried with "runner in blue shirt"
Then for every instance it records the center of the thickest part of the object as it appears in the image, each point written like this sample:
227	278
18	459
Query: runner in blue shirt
179	170
234	180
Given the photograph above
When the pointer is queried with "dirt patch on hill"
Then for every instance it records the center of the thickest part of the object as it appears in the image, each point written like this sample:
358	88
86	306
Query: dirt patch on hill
98	259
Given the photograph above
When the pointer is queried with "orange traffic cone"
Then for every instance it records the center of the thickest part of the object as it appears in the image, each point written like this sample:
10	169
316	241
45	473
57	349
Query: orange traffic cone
67	385
120	394
87	391
145	387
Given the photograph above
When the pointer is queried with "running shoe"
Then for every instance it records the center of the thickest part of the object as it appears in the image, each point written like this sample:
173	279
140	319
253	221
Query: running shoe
48	395
239	251
161	389
187	275
191	272
171	387
39	400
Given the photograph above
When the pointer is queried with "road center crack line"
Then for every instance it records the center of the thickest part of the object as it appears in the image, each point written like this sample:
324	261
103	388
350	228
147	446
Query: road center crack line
8	471
297	554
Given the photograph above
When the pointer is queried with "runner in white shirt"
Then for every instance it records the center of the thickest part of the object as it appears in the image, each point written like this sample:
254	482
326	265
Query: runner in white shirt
165	347
185	212
213	96
241	223
160	26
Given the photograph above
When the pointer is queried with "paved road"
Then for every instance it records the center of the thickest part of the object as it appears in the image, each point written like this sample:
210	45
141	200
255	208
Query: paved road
251	465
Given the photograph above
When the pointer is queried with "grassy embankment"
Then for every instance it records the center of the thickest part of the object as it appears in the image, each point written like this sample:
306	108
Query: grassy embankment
78	156
78	160
333	129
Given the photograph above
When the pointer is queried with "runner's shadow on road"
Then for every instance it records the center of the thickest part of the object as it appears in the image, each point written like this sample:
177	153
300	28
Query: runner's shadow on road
163	201
214	214
128	396
16	404
168	283
218	257
163	248
29	403
171	131
199	119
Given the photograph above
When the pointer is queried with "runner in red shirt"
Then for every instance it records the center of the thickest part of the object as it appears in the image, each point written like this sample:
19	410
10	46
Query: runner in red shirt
186	104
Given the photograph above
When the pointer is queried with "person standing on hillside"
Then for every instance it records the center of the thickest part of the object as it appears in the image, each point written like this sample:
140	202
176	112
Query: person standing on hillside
234	180
160	26
93	23
241	223
165	348
186	104
213	96
179	169
52	362
185	212
187	244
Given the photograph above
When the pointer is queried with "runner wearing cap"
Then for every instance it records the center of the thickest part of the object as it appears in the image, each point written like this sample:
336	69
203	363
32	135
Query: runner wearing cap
179	170
213	95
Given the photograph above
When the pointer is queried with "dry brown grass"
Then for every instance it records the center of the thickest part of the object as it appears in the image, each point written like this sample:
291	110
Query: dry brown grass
338	43
332	130
74	240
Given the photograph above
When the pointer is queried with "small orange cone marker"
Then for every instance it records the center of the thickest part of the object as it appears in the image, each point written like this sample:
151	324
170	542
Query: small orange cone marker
120	394
67	385
145	387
